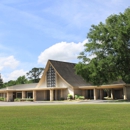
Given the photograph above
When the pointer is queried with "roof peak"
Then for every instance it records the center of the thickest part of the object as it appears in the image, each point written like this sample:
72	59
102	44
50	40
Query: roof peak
61	61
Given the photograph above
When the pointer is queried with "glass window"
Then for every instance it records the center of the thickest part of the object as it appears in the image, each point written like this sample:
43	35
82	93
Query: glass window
29	95
19	95
51	77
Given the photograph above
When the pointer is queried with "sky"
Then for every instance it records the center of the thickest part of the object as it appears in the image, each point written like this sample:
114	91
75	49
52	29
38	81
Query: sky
33	31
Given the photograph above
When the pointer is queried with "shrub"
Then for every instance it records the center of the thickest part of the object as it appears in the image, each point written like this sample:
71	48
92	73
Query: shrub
76	96
29	99
25	99
2	99
81	97
17	99
69	96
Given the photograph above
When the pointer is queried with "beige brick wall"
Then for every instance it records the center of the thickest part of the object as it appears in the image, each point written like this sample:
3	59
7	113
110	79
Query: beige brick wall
78	92
60	82
40	95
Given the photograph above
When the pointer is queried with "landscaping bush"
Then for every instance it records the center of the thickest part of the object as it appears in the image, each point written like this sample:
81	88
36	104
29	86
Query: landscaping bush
17	99
76	96
2	99
69	96
29	99
81	97
26	99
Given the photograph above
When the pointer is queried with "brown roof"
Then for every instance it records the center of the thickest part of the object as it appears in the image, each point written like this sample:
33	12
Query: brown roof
21	86
67	72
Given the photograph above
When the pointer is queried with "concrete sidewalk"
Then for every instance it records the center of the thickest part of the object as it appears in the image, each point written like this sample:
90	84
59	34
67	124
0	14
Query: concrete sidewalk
62	102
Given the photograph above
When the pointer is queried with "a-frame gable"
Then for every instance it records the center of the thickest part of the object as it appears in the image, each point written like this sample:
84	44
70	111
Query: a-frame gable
67	72
60	75
43	78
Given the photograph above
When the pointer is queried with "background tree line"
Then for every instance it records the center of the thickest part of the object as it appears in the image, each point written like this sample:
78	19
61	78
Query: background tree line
33	76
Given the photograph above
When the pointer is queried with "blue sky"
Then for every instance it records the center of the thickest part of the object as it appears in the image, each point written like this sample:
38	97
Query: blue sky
33	31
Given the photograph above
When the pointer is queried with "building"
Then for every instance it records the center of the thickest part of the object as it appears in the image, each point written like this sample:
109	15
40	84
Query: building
58	80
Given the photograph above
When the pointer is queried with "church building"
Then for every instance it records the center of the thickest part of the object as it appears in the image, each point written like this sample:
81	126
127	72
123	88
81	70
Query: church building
58	80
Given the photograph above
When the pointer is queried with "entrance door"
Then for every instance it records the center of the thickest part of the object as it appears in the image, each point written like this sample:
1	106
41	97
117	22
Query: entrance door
14	95
19	94
118	94
90	94
29	95
48	94
59	94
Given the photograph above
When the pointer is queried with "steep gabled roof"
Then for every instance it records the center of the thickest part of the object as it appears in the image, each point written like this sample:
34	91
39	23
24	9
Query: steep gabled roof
67	72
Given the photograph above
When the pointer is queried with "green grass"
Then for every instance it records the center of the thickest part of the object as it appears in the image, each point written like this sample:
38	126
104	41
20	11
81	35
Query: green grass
66	117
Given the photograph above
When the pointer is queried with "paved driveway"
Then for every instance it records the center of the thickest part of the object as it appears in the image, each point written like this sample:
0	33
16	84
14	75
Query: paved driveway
60	102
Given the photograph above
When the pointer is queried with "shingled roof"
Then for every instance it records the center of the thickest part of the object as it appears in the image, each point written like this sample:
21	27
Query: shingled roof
67	72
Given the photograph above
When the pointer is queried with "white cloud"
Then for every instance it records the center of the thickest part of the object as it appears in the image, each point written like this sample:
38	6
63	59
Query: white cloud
13	75
9	62
62	51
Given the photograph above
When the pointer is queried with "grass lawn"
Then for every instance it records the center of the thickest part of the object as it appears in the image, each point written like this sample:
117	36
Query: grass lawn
66	117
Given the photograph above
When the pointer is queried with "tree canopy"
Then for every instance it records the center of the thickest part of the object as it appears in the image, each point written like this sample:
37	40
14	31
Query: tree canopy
21	80
109	45
1	82
34	74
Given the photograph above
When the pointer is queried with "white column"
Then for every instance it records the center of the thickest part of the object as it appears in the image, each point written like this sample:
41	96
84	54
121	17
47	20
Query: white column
51	95
23	94
55	94
61	93
83	93
112	94
44	94
125	93
95	94
34	95
7	97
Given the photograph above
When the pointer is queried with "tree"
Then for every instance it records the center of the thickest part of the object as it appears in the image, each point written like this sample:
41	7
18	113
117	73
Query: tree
1	82
21	80
34	74
10	83
109	44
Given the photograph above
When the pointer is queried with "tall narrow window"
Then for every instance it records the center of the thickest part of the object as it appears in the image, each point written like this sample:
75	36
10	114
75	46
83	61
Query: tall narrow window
51	77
